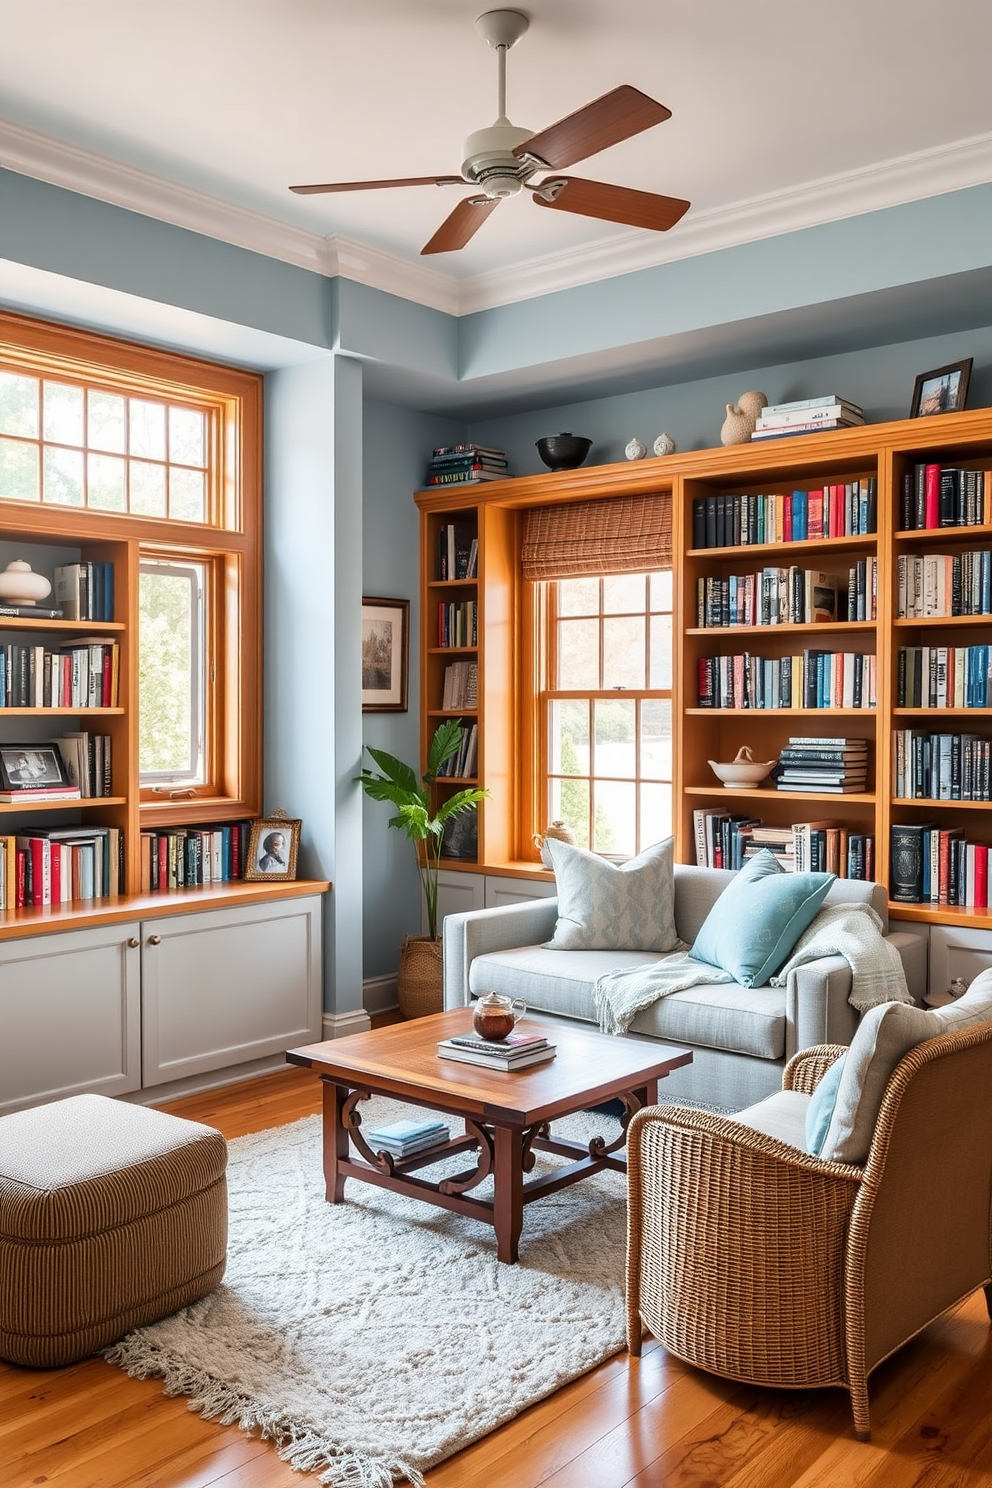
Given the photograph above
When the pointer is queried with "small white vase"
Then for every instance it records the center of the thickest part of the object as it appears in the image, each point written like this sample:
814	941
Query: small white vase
664	445
636	450
20	585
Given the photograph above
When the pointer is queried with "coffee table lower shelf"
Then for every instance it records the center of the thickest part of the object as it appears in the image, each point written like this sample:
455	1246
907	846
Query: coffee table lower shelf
508	1117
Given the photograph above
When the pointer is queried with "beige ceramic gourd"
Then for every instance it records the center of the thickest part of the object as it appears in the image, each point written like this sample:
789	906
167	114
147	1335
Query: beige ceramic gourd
557	829
741	419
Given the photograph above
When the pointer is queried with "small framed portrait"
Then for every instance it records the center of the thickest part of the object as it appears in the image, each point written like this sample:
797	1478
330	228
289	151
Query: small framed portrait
272	849
385	652
944	390
29	767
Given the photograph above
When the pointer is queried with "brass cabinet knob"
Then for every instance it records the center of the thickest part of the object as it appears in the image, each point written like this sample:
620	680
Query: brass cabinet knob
133	942
154	940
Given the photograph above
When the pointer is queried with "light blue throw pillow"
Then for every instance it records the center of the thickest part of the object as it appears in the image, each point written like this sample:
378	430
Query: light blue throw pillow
820	1110
755	923
605	906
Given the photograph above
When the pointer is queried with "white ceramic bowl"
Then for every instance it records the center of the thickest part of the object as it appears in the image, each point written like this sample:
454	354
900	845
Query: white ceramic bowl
741	772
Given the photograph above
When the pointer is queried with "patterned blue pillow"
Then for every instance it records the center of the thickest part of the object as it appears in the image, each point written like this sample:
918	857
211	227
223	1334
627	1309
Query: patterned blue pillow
754	925
604	906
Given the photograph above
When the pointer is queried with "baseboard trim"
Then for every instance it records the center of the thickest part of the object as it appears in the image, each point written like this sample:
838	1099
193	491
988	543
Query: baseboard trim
380	994
339	1025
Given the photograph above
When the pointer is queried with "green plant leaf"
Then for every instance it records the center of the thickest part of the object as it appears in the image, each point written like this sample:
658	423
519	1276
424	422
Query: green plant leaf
446	742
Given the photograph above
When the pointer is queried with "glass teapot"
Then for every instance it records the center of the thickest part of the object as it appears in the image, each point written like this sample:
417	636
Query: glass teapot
493	1016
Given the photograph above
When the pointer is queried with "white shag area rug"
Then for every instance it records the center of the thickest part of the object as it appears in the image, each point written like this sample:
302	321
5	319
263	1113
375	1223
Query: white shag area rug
374	1338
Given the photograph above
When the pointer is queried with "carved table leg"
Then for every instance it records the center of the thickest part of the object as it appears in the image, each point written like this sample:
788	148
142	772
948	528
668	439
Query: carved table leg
335	1140
508	1204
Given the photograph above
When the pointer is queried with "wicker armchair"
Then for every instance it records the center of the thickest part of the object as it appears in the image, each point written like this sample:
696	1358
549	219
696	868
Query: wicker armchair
752	1259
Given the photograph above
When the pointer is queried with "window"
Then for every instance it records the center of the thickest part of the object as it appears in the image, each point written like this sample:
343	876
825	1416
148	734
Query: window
607	709
172	654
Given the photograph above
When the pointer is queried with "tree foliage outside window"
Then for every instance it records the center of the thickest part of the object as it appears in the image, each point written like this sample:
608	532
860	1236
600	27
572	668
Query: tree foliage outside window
171	667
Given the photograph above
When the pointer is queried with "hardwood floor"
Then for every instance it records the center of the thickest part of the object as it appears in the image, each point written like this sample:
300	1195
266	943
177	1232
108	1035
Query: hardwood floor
647	1423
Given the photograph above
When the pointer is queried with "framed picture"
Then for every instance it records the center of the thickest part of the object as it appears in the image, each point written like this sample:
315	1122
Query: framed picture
272	849
385	651
29	767
944	390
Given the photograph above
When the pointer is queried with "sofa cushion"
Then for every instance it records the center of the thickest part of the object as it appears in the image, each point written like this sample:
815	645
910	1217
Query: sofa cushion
758	918
722	1016
782	1115
884	1036
606	906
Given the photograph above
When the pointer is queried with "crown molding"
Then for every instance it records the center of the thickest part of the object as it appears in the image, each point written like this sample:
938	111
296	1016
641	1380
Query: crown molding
907	178
60	164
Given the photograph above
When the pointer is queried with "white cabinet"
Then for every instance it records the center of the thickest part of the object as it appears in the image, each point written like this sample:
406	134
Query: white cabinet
69	1015
226	987
118	1008
500	891
458	892
956	951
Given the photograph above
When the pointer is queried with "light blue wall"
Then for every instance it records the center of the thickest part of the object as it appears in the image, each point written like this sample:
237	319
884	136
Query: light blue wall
396	443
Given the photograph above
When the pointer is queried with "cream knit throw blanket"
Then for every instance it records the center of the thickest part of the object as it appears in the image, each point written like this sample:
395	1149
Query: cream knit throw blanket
853	931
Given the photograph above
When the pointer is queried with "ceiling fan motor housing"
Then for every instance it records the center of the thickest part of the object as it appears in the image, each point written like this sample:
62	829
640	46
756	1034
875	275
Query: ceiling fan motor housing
490	163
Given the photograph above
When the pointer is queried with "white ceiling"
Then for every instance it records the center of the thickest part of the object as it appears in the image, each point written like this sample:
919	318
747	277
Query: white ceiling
234	100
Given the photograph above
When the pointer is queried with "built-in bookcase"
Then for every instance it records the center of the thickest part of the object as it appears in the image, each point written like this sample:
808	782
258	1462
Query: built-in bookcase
867	544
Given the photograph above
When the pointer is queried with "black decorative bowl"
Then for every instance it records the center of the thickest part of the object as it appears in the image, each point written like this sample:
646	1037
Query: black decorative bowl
563	451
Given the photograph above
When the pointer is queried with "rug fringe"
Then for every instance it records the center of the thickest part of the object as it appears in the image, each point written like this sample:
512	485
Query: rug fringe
297	1443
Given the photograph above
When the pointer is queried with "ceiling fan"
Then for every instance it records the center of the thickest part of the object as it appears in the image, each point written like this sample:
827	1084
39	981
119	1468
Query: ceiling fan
502	160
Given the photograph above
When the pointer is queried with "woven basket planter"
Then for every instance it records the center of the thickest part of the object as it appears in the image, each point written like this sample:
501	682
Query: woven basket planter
420	980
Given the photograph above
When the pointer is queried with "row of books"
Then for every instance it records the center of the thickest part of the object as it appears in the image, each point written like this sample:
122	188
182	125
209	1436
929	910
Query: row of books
787	596
458	623
944	584
81	674
728	840
838	766
189	857
931	864
465	763
811	679
945	496
88	762
60	865
808	416
458	551
461	686
848	509
941	767
85	591
944	677
516	1051
461	464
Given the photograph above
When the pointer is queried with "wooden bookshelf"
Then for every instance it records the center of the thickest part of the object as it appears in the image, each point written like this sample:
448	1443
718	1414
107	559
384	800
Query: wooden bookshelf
884	453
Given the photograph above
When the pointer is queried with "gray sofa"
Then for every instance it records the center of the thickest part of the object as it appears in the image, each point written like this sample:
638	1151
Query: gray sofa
741	1037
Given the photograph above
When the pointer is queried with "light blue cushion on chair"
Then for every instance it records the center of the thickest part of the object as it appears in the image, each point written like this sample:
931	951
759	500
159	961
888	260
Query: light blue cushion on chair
820	1110
755	923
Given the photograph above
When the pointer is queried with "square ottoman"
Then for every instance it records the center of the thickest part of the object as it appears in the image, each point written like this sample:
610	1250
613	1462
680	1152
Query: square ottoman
111	1216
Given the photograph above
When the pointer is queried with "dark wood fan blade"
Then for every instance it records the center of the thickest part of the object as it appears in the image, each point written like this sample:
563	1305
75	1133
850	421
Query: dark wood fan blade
463	223
608	120
378	185
616	204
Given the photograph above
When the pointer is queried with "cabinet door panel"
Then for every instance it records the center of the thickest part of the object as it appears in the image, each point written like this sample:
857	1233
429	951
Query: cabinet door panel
222	988
957	951
69	1008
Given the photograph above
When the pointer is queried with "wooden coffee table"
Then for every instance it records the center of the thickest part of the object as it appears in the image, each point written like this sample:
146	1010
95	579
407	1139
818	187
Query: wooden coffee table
507	1116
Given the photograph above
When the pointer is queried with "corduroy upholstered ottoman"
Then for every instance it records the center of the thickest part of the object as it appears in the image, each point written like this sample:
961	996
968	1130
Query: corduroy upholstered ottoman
111	1216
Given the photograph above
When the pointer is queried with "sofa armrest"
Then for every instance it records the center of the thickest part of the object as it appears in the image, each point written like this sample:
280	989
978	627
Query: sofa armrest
817	1010
479	931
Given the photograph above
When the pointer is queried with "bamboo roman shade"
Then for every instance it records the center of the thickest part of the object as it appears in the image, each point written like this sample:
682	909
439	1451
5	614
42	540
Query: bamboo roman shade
620	534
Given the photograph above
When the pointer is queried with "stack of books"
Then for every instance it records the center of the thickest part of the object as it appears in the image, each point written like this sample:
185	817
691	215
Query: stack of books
404	1138
461	464
514	1052
835	765
808	416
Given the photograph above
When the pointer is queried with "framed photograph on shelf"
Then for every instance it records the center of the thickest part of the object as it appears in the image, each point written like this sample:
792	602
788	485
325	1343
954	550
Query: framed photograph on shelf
385	653
273	847
944	390
32	767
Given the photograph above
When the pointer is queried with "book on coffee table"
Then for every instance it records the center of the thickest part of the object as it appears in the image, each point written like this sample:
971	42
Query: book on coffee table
495	1057
403	1138
514	1043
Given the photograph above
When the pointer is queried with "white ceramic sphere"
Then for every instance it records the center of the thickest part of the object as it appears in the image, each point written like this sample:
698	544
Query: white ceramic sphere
636	450
664	445
20	585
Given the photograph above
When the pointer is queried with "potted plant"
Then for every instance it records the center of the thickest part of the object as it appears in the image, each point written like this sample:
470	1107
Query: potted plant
422	817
